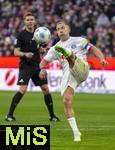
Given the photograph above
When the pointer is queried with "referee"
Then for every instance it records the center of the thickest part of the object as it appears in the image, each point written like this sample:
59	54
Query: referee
29	54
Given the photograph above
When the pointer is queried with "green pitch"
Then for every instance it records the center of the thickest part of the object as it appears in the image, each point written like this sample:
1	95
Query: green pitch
95	115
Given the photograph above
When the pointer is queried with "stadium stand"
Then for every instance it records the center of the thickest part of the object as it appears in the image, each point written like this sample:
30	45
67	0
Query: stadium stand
94	19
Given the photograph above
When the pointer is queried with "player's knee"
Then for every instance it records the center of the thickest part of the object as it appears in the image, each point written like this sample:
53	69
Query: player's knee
45	90
67	100
23	90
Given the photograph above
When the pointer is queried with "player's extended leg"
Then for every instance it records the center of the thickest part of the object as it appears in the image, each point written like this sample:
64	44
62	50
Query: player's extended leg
16	99
68	108
49	102
68	55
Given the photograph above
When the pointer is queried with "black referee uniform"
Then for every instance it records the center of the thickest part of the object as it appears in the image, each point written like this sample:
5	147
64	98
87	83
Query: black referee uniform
29	69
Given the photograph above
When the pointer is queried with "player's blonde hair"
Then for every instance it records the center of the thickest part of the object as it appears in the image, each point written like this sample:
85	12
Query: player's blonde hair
63	21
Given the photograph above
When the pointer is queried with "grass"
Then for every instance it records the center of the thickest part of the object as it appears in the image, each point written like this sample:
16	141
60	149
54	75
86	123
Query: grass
95	115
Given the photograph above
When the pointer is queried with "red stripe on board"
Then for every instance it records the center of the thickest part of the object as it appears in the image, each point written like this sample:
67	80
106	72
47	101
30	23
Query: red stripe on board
13	62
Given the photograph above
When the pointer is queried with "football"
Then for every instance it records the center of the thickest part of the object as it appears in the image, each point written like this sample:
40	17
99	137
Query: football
42	35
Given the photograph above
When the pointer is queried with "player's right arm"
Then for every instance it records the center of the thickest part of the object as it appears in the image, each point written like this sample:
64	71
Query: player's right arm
49	57
42	73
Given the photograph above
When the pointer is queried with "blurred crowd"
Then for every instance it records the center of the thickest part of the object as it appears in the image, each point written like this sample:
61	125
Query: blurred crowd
93	19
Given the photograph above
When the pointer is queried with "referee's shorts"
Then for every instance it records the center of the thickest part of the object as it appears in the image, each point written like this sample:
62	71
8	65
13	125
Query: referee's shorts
26	74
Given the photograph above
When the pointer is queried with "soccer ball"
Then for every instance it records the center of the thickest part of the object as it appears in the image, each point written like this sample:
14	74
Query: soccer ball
42	35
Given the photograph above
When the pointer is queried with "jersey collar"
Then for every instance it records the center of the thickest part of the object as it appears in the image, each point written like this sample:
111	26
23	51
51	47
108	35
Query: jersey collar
66	40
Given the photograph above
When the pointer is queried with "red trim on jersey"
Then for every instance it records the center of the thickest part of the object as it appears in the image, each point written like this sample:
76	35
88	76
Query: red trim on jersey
90	48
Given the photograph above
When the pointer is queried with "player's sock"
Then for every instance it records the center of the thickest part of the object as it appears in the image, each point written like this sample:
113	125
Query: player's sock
63	51
17	97
75	129
49	104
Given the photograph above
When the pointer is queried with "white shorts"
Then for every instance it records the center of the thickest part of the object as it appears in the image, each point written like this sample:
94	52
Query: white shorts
75	76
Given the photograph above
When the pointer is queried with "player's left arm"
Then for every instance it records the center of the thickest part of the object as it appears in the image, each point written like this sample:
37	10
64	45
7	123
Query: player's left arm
99	54
90	47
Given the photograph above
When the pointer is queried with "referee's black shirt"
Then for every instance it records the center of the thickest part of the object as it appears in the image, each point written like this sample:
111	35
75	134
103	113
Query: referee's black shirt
26	44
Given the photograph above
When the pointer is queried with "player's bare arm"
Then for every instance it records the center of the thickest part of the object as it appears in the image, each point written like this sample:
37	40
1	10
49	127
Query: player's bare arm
42	73
17	52
100	55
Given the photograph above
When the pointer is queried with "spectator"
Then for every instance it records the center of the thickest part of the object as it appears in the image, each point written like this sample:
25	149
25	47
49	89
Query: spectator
86	18
102	20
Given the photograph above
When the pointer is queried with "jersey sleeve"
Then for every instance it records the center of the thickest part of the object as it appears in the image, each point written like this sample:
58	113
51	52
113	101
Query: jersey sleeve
51	55
86	44
18	41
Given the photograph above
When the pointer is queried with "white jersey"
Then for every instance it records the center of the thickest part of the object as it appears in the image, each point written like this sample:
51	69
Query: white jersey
78	45
71	77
